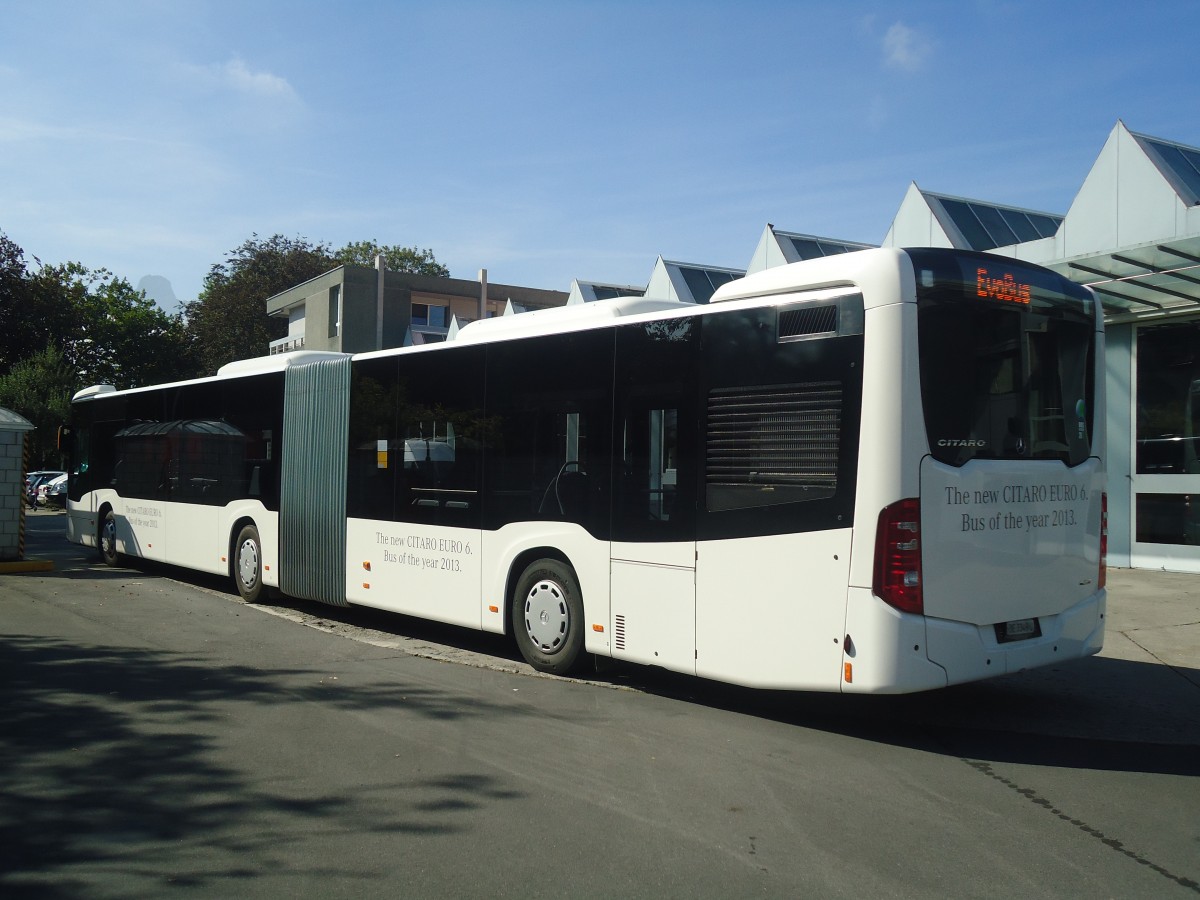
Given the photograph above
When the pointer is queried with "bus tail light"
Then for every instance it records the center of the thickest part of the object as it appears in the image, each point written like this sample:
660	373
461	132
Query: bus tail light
1103	579
897	578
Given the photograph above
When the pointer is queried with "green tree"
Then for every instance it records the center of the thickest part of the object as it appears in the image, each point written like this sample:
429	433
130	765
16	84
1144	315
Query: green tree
126	339
398	259
40	389
108	332
229	319
34	311
12	301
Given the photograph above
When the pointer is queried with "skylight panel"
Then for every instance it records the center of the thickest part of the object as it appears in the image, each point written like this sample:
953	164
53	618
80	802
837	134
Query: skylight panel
807	249
1047	226
985	226
1020	225
966	221
604	292
1183	162
999	232
698	283
703	283
810	248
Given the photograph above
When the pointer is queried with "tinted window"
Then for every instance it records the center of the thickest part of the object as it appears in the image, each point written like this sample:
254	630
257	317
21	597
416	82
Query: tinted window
1168	398
781	420
657	433
1006	360
549	407
208	443
417	436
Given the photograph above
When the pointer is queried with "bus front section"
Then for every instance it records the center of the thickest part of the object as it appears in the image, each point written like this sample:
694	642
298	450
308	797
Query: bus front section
998	564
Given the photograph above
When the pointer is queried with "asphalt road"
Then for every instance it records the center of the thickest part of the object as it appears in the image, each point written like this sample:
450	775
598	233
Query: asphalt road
162	737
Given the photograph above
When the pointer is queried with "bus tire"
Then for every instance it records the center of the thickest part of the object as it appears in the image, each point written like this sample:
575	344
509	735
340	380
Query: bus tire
547	617
106	540
247	564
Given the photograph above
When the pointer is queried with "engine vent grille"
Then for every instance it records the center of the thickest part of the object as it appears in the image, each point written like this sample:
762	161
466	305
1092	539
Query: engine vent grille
773	445
807	321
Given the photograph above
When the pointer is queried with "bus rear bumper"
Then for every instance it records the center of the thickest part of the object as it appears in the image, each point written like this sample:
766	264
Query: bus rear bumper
884	650
970	652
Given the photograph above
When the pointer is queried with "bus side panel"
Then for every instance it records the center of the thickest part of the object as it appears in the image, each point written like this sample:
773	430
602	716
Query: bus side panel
81	521
201	536
142	527
267	523
587	556
893	435
771	611
654	604
886	651
195	541
421	570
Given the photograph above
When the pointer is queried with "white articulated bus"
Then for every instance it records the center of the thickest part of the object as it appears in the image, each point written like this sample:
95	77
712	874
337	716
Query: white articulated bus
879	472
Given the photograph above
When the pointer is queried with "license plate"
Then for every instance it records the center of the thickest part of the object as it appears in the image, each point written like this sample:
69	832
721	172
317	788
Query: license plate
1020	629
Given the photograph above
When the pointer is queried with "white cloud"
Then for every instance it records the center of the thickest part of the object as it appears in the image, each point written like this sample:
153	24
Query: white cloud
262	84
905	48
236	76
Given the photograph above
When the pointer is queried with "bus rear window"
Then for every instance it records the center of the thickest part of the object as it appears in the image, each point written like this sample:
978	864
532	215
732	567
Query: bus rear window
1006	360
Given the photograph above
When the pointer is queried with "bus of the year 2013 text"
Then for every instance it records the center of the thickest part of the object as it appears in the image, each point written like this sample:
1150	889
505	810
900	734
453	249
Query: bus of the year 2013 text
880	472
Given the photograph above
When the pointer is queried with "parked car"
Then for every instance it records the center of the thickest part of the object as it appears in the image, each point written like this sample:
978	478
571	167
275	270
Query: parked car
53	492
34	480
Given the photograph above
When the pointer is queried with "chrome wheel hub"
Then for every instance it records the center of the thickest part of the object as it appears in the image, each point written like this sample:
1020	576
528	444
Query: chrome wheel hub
547	618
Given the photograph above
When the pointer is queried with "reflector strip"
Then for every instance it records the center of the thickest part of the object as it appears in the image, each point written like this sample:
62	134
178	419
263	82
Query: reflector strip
1103	578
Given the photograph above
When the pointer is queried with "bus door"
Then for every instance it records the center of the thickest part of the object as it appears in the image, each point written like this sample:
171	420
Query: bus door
653	550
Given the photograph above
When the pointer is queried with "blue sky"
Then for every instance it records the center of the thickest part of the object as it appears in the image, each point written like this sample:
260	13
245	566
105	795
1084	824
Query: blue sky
554	140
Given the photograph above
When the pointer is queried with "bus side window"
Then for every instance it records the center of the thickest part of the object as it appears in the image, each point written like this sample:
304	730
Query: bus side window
563	469
649	465
549	400
441	434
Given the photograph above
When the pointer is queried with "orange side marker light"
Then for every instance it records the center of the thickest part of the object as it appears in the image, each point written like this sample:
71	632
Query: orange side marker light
849	673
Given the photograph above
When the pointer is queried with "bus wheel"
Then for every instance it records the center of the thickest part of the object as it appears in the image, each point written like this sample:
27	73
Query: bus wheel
247	564
547	615
106	540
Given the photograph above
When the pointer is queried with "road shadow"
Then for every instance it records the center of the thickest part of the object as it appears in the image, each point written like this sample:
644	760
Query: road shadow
1096	713
109	752
117	766
1068	716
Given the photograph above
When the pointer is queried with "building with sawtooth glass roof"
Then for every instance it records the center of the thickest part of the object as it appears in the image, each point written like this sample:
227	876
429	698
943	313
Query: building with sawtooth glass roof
1131	233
